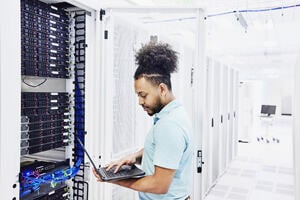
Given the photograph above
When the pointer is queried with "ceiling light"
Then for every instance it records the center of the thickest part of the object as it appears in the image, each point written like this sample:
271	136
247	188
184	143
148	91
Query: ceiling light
240	18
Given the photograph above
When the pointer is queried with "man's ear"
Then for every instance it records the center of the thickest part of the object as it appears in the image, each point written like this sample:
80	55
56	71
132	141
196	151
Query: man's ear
163	89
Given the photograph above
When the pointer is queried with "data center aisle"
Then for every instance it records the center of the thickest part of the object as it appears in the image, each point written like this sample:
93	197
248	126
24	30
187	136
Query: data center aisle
263	169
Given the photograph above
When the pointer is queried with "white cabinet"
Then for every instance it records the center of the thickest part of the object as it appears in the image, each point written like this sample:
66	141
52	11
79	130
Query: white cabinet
219	138
216	121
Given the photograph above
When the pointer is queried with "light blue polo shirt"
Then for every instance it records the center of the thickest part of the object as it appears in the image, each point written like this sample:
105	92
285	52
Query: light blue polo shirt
169	145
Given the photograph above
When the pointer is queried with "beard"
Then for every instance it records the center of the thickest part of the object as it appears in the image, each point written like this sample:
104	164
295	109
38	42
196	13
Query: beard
156	108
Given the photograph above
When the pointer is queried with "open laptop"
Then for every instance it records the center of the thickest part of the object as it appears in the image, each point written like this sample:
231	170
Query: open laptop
125	172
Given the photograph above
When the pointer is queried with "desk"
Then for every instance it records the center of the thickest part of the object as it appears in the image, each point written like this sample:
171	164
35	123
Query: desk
267	121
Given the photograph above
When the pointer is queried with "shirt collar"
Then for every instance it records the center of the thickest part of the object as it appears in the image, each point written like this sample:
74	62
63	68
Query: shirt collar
166	110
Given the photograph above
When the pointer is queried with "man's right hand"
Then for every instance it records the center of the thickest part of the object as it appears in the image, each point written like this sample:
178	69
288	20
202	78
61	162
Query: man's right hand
128	160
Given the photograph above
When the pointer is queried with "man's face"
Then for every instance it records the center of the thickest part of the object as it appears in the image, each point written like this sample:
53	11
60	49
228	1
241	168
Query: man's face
148	96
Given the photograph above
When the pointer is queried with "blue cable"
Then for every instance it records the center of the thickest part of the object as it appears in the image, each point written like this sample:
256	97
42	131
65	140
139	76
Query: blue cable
226	13
33	183
255	10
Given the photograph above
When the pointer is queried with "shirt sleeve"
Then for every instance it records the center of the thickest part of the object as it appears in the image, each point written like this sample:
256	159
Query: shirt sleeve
169	143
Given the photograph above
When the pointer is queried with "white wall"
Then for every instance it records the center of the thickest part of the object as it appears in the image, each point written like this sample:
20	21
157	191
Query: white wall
277	91
287	91
296	114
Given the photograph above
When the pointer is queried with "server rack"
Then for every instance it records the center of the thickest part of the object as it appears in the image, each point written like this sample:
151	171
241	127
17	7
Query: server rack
52	48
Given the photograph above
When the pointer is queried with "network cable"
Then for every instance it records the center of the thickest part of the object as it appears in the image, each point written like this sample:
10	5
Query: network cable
31	180
255	10
225	13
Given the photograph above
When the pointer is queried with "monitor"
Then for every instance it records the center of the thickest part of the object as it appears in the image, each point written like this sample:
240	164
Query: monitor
268	109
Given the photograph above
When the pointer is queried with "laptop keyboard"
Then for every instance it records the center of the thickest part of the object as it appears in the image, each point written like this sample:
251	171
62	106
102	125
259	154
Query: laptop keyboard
111	173
123	172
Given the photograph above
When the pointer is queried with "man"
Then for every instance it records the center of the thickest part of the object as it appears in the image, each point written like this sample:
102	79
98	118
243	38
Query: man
167	154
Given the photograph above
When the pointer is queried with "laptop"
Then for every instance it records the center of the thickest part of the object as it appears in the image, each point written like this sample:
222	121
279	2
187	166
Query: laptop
125	171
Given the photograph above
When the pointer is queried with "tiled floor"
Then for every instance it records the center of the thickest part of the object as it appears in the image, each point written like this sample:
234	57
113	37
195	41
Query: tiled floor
263	169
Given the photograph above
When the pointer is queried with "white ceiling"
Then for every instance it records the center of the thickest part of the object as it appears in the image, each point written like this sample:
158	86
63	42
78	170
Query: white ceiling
267	48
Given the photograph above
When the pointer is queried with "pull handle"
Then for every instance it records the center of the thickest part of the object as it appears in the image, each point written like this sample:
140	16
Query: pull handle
199	161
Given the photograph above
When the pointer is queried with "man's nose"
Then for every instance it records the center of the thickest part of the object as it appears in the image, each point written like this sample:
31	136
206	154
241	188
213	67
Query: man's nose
141	101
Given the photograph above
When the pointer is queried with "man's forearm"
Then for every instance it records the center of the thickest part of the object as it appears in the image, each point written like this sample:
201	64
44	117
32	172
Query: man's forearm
147	184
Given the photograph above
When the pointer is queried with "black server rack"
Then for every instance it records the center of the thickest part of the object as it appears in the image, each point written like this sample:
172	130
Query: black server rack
52	47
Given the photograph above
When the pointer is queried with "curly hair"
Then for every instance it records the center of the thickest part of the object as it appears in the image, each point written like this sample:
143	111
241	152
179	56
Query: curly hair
156	62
